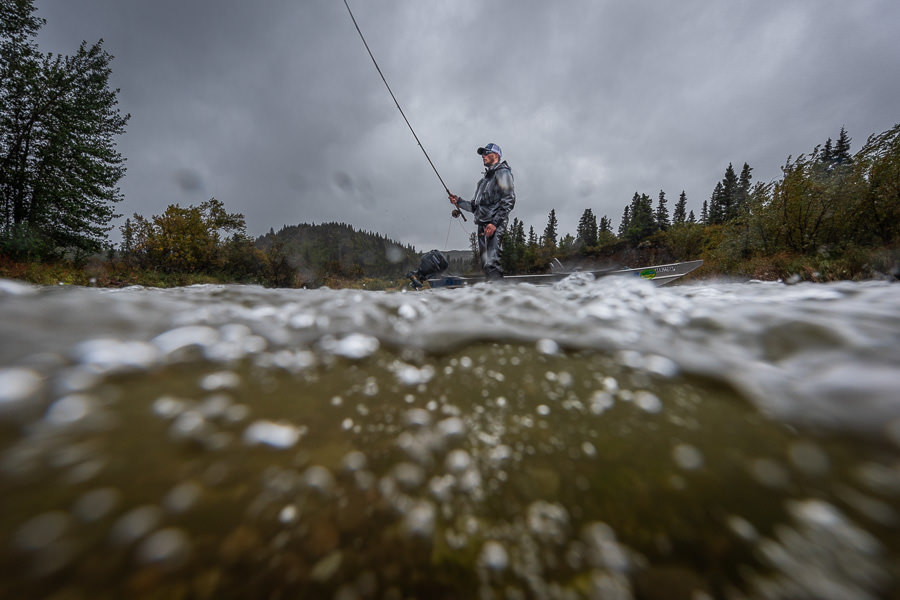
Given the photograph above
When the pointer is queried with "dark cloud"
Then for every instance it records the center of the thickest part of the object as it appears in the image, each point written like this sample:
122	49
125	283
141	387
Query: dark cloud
275	107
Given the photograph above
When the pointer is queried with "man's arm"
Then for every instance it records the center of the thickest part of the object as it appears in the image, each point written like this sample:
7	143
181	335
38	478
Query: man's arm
460	203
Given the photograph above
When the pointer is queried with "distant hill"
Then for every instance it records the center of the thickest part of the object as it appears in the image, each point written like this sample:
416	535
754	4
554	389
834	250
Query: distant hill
337	249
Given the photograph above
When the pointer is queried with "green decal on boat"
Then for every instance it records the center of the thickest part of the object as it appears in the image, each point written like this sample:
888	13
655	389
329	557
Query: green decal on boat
648	273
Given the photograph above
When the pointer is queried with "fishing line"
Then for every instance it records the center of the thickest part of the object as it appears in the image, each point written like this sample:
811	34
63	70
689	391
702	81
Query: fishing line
375	62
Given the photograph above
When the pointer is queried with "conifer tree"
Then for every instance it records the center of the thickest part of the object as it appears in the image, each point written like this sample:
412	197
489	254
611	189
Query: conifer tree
826	155
587	229
728	200
550	235
842	149
626	221
678	216
662	213
715	215
704	213
643	221
605	225
742	195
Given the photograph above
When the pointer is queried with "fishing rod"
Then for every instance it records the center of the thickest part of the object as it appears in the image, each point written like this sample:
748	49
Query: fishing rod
457	212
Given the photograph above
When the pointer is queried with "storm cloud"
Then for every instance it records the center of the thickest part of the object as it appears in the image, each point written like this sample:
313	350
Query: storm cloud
276	109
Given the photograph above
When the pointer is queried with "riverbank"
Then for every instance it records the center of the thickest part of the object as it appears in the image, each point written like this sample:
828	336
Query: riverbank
855	265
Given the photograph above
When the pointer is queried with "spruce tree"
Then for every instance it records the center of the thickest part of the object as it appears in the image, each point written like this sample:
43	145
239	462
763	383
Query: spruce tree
826	155
643	221
587	229
678	216
662	213
742	196
716	215
605	225
549	238
842	149
626	221
728	199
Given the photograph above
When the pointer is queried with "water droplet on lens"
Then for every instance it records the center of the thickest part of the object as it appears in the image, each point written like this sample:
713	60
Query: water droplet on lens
135	524
96	504
170	547
547	347
493	556
687	457
276	435
41	531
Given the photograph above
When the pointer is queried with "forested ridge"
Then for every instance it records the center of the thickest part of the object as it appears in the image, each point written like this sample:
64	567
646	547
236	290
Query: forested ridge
832	214
337	250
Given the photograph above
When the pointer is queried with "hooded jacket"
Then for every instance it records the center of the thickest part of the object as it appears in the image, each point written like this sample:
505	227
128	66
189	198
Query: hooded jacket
495	197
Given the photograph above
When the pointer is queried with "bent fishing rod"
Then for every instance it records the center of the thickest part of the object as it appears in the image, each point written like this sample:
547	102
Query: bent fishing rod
457	212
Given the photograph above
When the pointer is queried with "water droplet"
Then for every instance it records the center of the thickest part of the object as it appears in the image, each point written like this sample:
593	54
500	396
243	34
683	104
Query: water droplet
418	417
17	388
493	556
69	410
96	504
135	524
170	547
41	531
354	346
288	514
769	473
687	457
548	347
648	402
808	457
277	435
601	401
354	461
182	497
419	521
168	407
458	461
223	380
319	479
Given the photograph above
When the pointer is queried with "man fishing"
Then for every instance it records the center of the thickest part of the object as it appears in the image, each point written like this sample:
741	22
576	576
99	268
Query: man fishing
495	197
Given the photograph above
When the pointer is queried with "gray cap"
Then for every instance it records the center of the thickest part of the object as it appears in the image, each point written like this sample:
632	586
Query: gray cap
488	148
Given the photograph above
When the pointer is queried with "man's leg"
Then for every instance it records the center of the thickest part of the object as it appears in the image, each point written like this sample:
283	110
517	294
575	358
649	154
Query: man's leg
491	251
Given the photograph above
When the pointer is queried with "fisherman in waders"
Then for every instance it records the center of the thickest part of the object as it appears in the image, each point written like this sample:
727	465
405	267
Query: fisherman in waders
495	197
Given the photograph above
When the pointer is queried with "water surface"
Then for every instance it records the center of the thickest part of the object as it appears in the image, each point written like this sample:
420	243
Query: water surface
595	439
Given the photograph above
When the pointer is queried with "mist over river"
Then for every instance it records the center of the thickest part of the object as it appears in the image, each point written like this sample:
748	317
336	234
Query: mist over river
596	439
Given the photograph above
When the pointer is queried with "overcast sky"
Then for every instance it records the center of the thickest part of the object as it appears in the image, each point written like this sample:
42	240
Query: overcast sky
275	108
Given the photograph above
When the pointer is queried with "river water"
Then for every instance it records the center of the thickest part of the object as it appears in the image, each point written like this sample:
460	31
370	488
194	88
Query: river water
595	439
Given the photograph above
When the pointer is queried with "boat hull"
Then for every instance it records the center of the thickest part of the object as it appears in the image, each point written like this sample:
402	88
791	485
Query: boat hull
658	274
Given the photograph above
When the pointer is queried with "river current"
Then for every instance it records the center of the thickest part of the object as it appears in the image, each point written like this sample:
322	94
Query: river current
594	439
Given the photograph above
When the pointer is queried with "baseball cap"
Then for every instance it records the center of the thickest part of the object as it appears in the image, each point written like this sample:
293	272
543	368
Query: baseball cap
488	148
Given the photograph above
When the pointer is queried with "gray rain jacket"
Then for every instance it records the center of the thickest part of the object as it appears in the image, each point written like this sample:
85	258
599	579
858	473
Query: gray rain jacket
495	197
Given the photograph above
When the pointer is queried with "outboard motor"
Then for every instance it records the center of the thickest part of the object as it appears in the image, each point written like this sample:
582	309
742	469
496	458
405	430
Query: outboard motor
432	263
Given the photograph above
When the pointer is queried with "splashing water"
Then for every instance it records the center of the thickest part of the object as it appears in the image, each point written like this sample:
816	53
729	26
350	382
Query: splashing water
595	439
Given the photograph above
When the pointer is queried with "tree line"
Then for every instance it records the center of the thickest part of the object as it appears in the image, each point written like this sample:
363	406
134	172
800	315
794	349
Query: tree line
828	205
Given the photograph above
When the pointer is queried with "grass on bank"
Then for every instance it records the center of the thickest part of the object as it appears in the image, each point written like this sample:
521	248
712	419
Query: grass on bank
850	265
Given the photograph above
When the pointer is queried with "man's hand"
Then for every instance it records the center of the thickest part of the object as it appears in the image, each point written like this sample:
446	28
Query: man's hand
489	230
454	199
